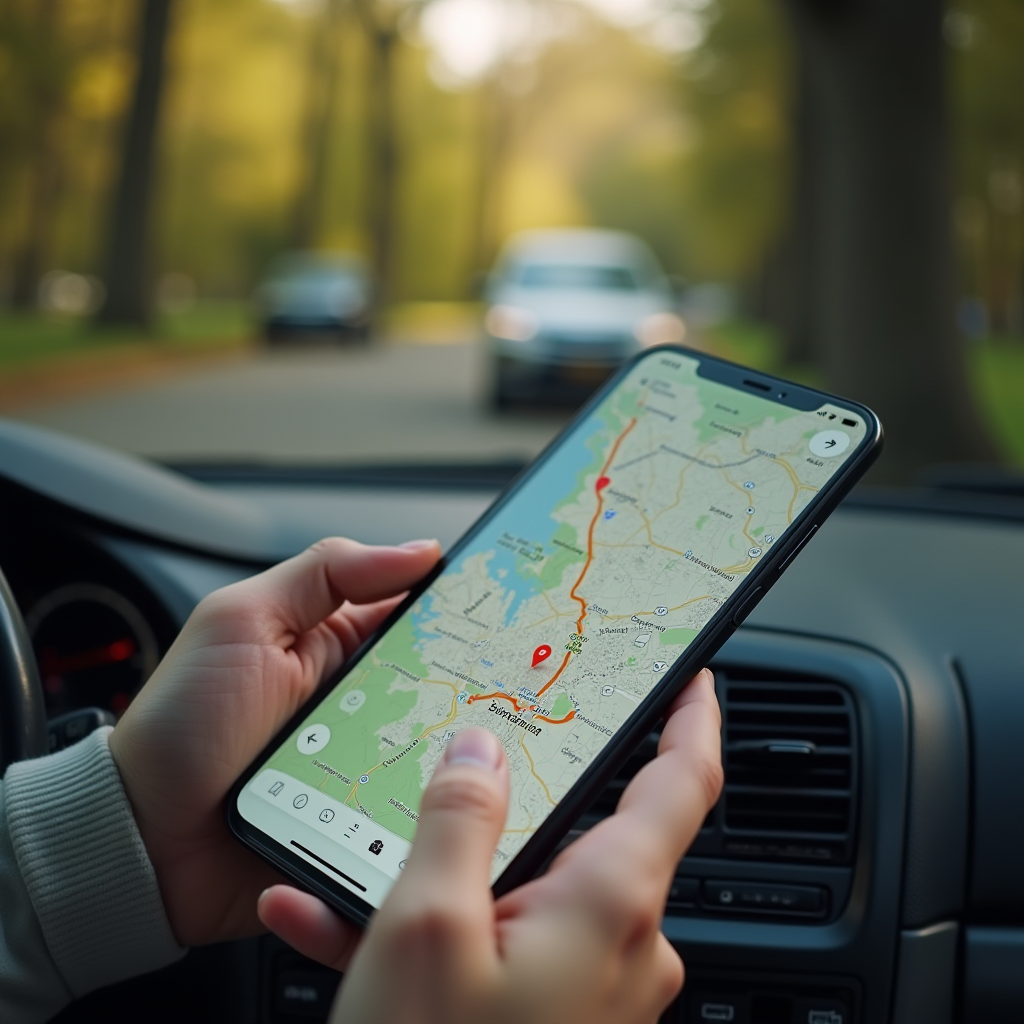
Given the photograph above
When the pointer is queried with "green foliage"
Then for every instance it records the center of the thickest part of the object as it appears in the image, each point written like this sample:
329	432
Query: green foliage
987	78
996	366
63	77
998	377
230	140
26	339
598	126
734	183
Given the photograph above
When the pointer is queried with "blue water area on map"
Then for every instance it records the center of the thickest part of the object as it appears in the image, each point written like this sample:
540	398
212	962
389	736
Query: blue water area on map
527	515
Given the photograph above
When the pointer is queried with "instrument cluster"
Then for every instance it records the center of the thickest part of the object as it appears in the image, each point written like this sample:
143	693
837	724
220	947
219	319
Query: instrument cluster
97	632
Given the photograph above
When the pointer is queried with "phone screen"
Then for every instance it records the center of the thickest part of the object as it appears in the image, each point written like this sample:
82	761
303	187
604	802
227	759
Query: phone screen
555	618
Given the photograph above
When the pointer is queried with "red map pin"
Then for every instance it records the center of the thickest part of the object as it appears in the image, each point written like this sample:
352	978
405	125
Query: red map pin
540	654
602	483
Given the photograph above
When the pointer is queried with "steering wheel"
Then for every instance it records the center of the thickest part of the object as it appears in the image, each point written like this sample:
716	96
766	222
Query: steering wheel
22	708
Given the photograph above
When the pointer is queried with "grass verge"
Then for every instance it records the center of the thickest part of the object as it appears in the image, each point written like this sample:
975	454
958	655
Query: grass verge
27	338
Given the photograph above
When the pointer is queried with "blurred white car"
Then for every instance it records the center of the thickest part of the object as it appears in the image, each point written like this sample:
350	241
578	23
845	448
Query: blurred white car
316	293
566	307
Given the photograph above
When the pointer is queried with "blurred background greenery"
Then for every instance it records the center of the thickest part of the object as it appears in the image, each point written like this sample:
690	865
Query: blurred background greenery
163	151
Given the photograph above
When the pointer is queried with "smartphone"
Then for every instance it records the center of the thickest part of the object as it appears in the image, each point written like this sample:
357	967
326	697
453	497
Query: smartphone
564	621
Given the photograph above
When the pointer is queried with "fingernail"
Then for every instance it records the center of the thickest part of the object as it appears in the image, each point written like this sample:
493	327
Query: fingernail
417	545
477	747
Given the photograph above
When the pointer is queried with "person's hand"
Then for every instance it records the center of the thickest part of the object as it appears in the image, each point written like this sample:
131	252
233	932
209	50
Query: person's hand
247	658
581	943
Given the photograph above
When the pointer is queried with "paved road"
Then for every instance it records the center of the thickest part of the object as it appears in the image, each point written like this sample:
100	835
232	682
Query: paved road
386	403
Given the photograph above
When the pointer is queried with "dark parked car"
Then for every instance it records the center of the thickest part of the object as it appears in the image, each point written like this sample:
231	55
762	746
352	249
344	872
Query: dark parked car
311	293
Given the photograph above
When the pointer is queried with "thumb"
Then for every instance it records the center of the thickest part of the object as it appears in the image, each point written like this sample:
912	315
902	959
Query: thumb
298	594
462	814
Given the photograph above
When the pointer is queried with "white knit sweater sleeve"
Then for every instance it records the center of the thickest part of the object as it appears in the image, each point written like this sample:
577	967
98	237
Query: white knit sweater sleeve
79	903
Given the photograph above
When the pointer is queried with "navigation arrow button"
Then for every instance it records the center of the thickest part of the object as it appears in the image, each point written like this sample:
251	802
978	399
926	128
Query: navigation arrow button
313	739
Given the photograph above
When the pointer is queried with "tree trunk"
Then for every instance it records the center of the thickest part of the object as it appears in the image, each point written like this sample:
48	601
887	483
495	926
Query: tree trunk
882	234
384	159
804	321
128	267
492	137
44	170
320	106
32	254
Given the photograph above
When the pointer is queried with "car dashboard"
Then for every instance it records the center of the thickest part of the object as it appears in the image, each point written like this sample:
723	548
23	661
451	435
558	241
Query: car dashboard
864	861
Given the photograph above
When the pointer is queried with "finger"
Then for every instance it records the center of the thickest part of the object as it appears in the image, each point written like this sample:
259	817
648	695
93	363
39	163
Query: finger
664	976
300	593
462	813
351	624
657	818
308	925
326	648
700	689
363	619
668	799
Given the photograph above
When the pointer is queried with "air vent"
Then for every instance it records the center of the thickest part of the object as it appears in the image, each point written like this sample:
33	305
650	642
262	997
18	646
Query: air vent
606	803
789	748
790	770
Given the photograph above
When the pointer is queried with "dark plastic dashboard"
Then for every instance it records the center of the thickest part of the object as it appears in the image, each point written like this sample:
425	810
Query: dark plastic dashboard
865	861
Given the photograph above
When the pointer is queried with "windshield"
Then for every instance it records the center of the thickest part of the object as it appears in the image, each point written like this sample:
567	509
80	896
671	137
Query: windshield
174	262
584	278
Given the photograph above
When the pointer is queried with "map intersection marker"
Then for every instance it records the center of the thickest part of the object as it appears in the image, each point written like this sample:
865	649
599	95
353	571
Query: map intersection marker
540	655
602	483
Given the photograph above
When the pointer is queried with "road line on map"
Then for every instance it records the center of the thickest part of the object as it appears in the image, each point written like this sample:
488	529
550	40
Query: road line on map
533	772
590	553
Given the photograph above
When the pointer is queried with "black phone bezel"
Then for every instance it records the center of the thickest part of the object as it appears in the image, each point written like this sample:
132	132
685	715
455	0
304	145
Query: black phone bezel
714	634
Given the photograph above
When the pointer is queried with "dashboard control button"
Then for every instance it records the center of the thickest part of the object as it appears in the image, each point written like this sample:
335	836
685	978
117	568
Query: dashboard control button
729	1007
305	993
684	892
822	1011
763	897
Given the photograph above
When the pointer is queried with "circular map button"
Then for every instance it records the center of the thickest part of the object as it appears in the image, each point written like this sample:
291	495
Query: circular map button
829	443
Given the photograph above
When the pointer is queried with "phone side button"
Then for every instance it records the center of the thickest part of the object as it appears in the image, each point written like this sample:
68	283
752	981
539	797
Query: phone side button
796	551
747	605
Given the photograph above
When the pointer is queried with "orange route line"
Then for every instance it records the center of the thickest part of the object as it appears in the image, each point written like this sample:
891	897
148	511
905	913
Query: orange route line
557	721
501	695
590	553
572	593
561	669
593	524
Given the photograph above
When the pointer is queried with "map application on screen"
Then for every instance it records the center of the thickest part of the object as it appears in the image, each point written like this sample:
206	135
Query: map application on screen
556	619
